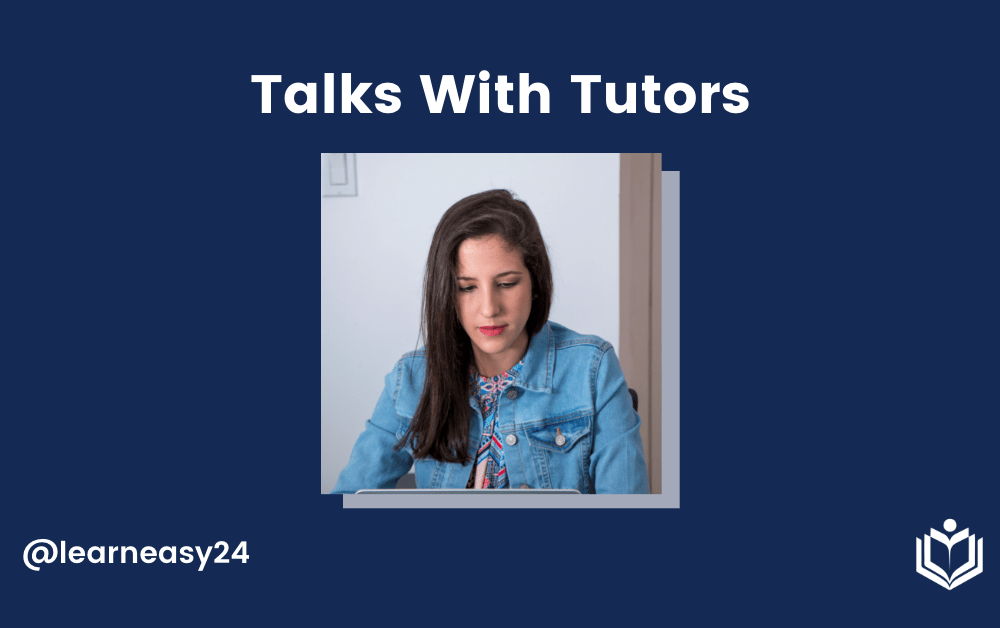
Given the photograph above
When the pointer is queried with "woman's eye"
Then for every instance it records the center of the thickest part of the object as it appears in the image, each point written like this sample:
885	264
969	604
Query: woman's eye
508	285
466	288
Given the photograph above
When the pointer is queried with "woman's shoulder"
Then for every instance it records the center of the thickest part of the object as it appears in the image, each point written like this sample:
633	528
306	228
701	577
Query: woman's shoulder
564	337
412	356
412	363
407	381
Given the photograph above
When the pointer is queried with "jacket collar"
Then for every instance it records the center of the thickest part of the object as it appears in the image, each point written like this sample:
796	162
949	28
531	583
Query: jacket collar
536	374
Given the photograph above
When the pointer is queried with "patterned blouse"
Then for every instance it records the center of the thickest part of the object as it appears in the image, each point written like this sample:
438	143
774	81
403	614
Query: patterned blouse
490	470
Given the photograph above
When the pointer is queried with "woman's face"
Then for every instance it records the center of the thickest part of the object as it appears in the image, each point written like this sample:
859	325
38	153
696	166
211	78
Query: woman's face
493	302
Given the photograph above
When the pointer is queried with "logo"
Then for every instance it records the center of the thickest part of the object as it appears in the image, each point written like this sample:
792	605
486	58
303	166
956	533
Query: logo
931	571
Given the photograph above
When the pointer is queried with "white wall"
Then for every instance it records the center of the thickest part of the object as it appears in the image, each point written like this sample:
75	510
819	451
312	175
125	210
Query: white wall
374	247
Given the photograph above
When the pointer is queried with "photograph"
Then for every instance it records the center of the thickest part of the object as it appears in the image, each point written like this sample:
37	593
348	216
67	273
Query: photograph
476	329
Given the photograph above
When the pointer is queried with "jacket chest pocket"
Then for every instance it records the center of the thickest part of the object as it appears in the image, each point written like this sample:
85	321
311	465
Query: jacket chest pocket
560	449
429	473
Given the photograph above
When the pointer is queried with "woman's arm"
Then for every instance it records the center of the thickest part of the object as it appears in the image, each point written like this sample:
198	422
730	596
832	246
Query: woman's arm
374	462
617	464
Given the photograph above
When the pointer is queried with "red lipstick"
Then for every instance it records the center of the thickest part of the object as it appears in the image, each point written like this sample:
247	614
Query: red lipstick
494	330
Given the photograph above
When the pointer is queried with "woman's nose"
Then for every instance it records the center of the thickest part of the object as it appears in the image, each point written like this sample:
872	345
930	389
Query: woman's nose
491	303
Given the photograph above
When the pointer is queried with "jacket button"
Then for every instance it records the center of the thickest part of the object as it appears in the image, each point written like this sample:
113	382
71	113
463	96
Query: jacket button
511	439
524	486
512	394
560	439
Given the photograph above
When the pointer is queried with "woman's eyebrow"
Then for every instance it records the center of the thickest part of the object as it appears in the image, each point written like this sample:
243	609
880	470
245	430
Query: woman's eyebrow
503	274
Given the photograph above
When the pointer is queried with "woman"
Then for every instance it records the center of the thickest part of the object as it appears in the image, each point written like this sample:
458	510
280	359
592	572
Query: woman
499	397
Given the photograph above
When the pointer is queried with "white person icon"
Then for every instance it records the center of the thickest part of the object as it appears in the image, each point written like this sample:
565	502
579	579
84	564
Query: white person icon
931	571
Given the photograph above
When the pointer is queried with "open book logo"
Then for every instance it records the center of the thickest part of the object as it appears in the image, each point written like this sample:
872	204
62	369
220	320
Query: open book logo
970	569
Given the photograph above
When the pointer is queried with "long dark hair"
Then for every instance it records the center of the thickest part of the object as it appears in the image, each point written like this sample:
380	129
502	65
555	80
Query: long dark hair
440	426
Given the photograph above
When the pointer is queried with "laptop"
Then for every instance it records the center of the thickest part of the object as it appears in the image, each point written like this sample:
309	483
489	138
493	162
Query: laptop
466	491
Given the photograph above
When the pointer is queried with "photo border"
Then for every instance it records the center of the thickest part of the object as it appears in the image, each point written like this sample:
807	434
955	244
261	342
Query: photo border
670	413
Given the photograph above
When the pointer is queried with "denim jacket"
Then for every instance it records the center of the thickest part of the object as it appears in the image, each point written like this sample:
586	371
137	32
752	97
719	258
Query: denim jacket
569	381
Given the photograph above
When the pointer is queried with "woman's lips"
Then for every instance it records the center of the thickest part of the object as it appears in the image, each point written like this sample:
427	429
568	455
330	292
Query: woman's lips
495	330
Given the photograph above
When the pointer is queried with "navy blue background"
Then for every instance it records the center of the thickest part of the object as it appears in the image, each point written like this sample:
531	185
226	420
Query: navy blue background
838	313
